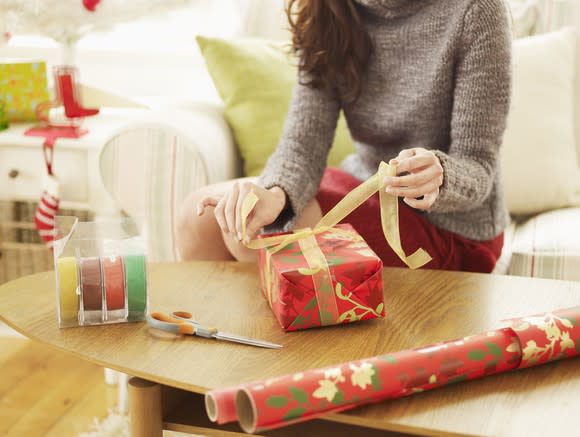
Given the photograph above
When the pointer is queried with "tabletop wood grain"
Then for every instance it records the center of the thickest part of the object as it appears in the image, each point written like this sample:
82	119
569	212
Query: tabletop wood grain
423	307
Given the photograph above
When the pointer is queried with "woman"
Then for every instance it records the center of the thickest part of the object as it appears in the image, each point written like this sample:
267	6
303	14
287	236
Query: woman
425	85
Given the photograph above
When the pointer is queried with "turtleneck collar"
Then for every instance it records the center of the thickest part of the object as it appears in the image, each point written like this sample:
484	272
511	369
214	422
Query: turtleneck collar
392	8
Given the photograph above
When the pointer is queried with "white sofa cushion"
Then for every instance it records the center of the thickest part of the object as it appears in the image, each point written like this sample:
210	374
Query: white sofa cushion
548	246
539	150
526	17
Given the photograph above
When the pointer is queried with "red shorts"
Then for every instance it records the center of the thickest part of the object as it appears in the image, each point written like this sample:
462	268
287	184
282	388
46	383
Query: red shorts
448	250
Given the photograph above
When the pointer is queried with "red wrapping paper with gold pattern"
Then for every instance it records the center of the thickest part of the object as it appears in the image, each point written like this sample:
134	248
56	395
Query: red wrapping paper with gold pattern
303	297
526	342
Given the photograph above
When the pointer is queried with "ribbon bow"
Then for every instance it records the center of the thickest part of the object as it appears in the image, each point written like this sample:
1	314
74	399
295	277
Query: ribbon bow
390	224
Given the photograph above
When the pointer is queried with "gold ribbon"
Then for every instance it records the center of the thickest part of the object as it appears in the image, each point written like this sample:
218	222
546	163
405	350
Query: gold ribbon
321	279
389	206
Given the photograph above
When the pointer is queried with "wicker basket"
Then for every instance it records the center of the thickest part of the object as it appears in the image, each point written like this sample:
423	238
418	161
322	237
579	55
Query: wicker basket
22	252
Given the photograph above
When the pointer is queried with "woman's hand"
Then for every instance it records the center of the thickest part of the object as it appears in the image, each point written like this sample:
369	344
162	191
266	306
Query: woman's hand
420	188
227	209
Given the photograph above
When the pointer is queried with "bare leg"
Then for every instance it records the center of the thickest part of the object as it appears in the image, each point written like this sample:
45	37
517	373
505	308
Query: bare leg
200	238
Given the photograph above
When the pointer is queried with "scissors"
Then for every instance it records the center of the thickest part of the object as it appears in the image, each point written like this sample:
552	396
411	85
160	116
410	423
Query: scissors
182	322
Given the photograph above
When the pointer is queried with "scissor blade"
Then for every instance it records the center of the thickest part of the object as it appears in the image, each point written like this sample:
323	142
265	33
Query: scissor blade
246	340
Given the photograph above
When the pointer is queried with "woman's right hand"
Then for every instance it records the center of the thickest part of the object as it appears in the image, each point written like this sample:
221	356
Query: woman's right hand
227	209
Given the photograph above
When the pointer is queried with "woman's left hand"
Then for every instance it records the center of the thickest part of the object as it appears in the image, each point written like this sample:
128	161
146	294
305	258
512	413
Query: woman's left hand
420	188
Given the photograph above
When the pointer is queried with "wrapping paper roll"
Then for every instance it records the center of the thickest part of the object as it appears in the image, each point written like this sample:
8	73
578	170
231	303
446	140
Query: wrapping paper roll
114	282
136	286
68	280
281	401
221	405
91	284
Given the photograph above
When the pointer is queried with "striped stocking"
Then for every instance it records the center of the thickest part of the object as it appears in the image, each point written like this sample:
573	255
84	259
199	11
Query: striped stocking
46	210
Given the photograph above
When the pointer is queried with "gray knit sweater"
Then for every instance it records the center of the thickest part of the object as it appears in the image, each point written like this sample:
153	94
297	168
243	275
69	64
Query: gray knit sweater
438	78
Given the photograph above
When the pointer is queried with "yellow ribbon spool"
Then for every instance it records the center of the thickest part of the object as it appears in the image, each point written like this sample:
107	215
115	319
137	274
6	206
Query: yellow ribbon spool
68	282
389	206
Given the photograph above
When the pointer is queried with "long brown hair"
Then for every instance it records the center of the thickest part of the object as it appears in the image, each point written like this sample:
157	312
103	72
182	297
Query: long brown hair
331	42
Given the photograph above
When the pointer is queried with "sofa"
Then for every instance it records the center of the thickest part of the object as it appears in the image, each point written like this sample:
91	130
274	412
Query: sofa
541	241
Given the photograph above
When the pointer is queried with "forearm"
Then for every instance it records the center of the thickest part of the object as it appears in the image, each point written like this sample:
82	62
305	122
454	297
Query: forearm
467	183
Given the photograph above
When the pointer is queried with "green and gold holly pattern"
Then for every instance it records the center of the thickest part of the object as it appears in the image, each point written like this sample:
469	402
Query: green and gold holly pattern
548	337
529	341
302	396
356	285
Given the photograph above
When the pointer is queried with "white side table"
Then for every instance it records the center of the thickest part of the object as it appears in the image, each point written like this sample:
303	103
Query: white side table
76	165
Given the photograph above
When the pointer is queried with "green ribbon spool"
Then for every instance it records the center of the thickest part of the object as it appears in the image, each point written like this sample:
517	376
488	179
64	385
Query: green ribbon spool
136	278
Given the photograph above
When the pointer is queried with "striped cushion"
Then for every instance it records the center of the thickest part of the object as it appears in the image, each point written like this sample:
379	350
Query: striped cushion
149	170
548	246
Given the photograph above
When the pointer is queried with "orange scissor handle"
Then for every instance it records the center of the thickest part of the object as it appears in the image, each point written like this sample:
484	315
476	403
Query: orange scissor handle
204	331
182	326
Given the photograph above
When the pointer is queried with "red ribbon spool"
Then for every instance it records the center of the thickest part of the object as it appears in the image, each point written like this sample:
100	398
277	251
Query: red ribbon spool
114	282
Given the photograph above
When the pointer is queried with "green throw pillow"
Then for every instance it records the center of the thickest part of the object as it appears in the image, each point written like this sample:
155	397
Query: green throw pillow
255	79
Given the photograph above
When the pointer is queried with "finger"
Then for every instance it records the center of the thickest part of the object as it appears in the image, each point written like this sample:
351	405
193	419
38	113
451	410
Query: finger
255	224
406	153
416	163
206	202
419	191
220	215
245	188
425	203
230	210
414	179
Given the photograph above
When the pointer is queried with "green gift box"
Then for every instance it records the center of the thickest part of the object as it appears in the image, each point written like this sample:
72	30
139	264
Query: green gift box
23	86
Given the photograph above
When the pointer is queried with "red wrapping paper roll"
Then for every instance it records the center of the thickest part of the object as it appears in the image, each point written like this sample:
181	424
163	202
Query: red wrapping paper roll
221	405
527	342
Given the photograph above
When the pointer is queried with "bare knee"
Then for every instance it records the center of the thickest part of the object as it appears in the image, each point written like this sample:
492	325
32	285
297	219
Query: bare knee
239	251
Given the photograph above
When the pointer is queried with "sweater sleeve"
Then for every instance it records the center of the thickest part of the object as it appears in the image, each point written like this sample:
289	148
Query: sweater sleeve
298	163
480	108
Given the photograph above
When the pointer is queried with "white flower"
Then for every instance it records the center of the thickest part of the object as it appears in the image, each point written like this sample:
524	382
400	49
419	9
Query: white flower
362	376
334	373
567	342
327	390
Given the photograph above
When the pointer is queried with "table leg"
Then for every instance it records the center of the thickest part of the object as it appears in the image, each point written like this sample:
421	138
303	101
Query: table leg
145	408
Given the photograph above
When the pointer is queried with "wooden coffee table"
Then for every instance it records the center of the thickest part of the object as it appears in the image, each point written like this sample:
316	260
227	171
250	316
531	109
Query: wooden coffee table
423	307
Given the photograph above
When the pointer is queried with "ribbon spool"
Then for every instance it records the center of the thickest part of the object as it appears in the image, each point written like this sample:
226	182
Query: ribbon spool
68	281
91	284
114	282
136	285
108	289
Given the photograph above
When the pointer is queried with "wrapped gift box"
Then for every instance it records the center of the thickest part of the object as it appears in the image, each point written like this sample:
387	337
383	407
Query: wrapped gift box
343	287
23	86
